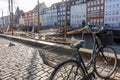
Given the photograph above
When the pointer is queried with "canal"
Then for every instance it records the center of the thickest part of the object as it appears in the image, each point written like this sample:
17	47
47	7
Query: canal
88	39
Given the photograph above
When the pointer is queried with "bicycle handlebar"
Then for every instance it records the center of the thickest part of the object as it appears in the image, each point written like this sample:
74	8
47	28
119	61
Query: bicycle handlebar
96	29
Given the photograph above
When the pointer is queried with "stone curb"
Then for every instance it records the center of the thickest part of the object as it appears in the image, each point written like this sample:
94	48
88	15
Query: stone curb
62	49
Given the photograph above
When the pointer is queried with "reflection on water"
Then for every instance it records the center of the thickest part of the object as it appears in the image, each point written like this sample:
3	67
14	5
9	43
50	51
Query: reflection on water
88	39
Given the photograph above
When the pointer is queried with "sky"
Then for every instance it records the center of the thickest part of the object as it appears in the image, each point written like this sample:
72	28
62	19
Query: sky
24	5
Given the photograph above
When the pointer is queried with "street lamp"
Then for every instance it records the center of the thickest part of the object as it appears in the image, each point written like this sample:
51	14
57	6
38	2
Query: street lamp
2	17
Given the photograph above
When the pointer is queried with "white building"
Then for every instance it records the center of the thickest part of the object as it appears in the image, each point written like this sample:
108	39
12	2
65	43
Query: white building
78	15
21	20
49	17
6	20
112	13
42	6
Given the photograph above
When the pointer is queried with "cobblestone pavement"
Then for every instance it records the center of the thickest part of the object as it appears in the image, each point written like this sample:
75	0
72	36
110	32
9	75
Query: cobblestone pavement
57	58
22	62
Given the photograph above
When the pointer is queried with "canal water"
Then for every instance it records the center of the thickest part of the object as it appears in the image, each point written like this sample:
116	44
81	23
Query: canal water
88	39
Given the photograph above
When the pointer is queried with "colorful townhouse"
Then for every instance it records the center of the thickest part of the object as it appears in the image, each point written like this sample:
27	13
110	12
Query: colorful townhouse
112	14
95	12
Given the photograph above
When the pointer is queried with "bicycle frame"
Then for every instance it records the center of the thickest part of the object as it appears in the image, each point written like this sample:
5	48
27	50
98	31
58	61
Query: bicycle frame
96	50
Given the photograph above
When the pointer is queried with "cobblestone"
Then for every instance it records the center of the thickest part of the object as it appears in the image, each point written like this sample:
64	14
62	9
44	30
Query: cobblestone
21	62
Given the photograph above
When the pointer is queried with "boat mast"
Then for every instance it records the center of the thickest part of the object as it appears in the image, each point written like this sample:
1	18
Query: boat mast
11	14
65	21
38	17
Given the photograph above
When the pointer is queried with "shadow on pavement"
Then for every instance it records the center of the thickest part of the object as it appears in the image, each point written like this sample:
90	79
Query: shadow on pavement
32	67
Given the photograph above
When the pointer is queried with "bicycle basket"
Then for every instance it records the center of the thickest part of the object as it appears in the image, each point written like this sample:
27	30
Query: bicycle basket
105	38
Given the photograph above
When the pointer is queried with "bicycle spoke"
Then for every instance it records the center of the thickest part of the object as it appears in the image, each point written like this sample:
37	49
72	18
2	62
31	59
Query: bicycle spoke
68	70
105	63
69	73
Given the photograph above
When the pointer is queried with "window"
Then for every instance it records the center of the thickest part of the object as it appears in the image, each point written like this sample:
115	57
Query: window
101	1
94	2
101	7
106	7
105	20
109	12
113	6
94	20
109	7
106	13
98	2
83	16
97	20
113	20
88	3
72	17
91	20
101	20
68	17
117	5
68	12
88	9
109	19
117	12
116	19
98	8
73	3
113	13
94	8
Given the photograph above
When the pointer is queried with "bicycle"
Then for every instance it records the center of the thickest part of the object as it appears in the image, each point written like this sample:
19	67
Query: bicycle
103	59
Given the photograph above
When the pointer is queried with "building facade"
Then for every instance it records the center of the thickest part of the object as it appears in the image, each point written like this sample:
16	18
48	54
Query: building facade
78	14
5	21
49	16
21	20
112	14
28	18
42	6
95	12
17	15
64	12
1	22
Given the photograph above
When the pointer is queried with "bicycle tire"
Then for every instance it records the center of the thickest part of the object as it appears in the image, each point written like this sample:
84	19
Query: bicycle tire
104	65
64	76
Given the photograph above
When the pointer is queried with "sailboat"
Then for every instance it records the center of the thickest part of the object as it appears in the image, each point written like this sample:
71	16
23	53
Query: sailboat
57	39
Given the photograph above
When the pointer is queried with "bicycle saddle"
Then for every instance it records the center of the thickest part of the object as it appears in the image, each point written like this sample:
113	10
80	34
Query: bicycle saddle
78	44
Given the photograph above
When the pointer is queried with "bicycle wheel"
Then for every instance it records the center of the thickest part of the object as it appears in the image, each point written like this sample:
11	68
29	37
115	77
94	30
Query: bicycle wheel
69	70
106	62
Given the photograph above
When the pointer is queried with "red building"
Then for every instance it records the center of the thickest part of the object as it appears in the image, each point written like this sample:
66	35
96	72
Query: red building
95	12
